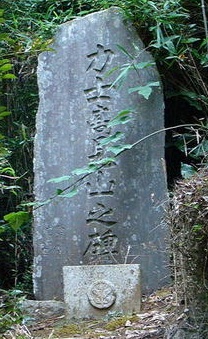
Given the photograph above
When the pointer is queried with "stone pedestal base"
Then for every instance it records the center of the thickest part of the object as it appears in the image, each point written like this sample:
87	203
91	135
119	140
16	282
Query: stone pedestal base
95	291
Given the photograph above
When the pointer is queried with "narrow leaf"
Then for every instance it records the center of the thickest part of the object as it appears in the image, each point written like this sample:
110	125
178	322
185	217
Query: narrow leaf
71	194
122	76
36	204
121	118
145	64
2	108
59	179
112	70
9	76
154	84
85	170
5	67
4	61
113	138
12	187
119	148
190	40
146	90
103	161
125	51
4	114
59	191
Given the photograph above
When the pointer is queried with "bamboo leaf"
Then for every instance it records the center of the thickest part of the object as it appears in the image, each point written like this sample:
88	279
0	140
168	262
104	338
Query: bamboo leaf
125	51
190	40
8	76
71	194
119	148
11	187
146	90
4	114
85	170
59	191
36	204
5	67
4	61
104	161
121	118
144	64
112	70
122	76
113	138
2	108
59	179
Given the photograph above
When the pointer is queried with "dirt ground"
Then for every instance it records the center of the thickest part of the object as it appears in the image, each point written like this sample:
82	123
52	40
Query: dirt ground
160	317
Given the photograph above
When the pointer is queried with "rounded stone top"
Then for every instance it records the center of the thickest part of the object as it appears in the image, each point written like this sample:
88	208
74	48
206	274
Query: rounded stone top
102	294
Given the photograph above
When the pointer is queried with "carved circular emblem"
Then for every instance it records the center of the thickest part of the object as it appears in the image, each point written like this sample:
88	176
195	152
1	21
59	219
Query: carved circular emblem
101	294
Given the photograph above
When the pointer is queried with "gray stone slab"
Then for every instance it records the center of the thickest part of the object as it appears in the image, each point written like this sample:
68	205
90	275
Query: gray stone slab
95	291
35	310
116	216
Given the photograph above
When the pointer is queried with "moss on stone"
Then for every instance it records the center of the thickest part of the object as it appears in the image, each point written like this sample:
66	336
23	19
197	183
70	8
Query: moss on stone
119	322
68	329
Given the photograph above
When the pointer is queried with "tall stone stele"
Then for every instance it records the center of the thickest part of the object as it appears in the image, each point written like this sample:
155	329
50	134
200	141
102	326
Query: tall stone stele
116	216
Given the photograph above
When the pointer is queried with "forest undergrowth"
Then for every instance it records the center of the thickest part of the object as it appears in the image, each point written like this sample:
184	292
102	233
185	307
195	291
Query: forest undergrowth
176	33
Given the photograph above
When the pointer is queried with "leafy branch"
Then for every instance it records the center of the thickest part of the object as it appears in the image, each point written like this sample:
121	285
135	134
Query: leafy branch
123	117
93	167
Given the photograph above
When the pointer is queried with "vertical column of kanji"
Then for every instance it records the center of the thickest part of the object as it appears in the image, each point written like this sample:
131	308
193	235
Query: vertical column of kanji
100	218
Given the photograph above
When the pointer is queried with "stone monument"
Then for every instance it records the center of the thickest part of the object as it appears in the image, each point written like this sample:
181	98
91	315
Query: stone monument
116	216
91	291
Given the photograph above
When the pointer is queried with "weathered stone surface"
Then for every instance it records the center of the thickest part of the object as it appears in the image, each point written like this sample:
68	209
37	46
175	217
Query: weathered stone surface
116	216
94	291
40	310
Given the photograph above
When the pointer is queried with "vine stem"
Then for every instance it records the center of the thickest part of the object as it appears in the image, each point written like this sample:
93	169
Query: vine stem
79	180
161	130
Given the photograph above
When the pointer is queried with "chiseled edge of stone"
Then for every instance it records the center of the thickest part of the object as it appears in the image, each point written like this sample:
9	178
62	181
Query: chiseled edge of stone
108	11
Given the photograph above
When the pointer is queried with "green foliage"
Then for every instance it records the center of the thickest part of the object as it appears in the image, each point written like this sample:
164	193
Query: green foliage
117	149
174	31
10	312
70	194
119	321
194	142
187	171
113	138
122	117
16	220
15	256
187	219
146	90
